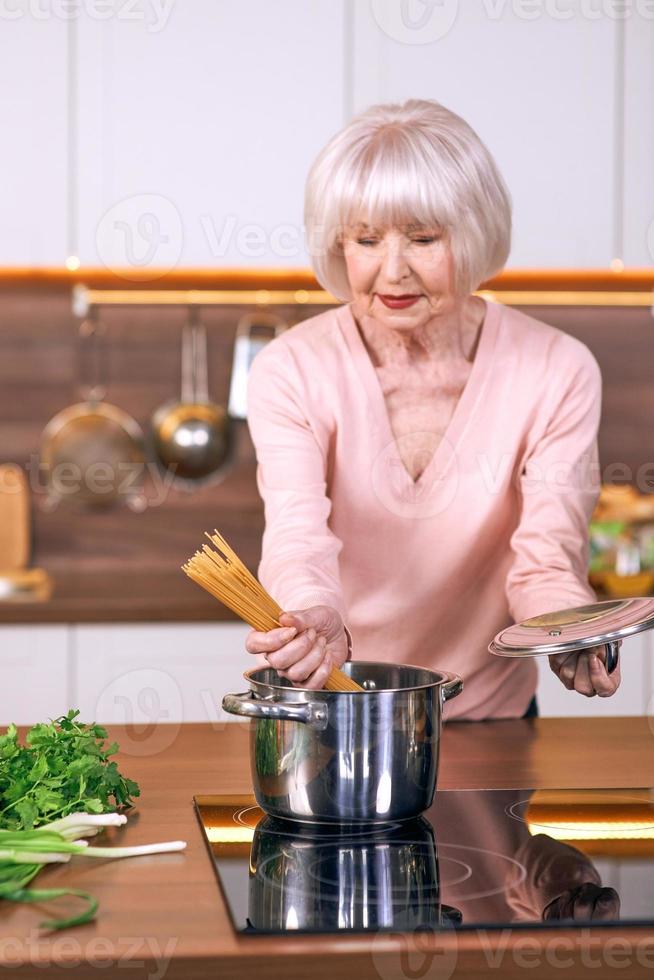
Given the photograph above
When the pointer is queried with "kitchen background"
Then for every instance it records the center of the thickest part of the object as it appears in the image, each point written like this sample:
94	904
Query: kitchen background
154	161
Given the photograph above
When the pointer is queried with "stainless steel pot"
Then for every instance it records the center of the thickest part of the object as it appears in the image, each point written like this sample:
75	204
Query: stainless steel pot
346	756
317	879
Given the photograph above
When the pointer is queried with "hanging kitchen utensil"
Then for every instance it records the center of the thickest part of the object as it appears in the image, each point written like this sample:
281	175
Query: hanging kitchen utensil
15	518
576	629
253	332
92	452
18	582
192	437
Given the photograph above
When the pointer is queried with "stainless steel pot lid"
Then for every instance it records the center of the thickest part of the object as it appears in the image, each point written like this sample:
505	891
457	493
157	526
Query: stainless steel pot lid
568	630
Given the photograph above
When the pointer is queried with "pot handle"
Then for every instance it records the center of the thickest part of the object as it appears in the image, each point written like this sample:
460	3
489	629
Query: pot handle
612	655
453	685
311	713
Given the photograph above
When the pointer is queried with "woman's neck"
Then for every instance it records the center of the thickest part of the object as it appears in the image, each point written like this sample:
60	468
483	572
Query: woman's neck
452	336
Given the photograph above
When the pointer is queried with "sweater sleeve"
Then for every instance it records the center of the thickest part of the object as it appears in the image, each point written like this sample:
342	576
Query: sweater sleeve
299	558
559	487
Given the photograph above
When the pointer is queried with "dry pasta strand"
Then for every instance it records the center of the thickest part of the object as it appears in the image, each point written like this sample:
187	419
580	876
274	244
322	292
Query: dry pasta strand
219	570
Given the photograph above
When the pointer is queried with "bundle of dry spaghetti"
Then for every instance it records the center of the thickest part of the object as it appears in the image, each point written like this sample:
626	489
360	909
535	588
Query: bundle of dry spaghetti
222	573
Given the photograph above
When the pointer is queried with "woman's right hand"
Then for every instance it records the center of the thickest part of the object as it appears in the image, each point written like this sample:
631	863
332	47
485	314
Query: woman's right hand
305	648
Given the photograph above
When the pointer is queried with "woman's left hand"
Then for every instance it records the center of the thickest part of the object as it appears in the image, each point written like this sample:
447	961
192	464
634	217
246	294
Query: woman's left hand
585	672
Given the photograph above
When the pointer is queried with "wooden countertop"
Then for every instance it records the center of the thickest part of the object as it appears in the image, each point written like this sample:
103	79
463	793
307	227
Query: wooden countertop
164	916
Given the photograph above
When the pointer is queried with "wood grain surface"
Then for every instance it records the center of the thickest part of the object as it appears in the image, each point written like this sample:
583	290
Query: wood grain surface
163	916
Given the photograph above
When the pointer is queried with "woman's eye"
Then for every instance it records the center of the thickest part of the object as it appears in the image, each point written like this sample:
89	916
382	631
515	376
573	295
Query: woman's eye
425	239
366	241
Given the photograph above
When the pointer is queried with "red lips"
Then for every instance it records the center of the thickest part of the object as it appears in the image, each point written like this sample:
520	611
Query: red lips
399	302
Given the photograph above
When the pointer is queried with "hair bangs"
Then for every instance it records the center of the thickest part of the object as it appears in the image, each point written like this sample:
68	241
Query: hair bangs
392	185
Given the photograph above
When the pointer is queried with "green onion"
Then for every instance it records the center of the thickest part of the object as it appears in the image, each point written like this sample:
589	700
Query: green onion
24	852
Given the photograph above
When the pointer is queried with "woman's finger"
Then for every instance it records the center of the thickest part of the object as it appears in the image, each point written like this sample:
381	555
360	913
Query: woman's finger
583	683
564	666
316	681
293	651
304	668
604	684
260	642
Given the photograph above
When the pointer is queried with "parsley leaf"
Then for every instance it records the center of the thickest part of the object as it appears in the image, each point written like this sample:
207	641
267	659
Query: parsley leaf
64	766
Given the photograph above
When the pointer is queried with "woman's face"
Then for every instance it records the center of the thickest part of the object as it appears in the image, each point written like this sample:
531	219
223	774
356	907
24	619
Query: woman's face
402	277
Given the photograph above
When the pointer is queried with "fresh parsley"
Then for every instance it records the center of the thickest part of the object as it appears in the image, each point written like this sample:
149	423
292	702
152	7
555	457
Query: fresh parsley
64	766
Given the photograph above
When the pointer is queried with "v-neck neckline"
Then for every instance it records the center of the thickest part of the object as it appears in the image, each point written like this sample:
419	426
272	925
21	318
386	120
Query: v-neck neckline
463	410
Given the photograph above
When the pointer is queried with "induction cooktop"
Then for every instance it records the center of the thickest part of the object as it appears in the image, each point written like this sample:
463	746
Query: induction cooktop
475	859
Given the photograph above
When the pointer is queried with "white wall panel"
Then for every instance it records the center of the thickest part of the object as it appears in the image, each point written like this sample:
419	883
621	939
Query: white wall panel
197	130
155	673
638	204
33	118
539	90
198	121
35	674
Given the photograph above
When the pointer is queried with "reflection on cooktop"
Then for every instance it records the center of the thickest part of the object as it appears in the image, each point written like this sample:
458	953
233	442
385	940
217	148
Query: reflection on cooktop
477	858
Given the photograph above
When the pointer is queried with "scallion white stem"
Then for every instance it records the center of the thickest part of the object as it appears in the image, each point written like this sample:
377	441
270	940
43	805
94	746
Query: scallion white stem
135	851
56	841
17	856
84	824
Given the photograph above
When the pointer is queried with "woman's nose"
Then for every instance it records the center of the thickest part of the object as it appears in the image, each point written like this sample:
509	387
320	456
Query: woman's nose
395	265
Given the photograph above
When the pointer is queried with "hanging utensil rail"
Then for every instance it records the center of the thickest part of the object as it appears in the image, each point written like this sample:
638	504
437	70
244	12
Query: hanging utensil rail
84	299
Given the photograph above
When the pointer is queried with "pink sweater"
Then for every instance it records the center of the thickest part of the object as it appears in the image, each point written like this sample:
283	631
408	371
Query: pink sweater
493	531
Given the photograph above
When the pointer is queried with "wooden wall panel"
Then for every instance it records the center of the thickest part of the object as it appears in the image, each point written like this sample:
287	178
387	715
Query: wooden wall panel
622	340
39	376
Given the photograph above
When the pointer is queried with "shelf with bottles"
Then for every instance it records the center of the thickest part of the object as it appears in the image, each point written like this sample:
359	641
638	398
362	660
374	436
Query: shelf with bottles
622	542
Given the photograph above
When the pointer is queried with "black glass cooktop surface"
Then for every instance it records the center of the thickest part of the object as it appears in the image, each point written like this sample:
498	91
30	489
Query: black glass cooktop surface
476	859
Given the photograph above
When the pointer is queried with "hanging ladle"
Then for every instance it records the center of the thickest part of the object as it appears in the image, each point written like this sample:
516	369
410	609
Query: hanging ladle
192	436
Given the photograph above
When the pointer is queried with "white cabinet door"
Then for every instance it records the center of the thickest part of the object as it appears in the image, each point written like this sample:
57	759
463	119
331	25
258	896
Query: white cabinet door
633	697
198	126
35	674
638	201
33	117
150	674
537	87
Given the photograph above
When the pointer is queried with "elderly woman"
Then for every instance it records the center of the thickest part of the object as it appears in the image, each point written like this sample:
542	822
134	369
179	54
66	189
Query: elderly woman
427	459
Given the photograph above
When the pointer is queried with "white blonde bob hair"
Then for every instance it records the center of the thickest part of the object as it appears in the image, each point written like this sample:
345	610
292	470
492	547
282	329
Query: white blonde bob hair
411	164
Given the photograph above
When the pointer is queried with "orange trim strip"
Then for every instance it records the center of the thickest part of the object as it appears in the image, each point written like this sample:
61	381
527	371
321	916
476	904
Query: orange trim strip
511	279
